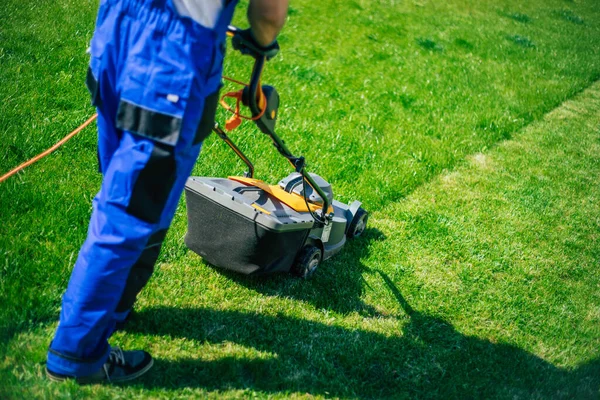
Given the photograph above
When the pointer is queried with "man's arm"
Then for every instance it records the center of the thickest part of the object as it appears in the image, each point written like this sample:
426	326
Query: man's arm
266	19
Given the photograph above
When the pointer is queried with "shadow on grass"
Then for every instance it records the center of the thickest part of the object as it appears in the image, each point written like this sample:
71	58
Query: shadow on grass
426	358
9	328
344	267
337	285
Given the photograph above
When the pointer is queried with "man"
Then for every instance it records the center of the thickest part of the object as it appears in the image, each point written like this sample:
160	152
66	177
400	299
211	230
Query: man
155	72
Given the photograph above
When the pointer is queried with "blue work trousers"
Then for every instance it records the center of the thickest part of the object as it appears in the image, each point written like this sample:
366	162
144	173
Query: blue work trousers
154	78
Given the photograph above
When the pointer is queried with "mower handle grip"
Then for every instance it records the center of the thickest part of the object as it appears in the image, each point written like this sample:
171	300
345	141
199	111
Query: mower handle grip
244	41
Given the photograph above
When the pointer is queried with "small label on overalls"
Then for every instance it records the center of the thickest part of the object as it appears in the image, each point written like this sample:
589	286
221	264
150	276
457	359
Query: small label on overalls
173	98
326	232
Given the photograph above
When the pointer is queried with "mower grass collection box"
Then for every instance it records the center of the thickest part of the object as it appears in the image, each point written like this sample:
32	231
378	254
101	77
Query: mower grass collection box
243	228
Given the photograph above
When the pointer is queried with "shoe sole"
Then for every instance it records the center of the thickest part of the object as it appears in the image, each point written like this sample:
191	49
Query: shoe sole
55	378
83	381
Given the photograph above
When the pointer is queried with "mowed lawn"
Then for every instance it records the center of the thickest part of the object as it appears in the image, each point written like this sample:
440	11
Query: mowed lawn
470	130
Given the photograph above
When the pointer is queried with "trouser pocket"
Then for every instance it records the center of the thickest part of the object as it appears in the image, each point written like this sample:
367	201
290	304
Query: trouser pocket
153	185
140	177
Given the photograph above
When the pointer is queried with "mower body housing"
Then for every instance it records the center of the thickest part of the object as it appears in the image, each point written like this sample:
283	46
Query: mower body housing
245	229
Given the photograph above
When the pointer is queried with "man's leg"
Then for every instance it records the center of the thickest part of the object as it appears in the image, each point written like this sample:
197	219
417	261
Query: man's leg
117	241
144	266
119	254
145	169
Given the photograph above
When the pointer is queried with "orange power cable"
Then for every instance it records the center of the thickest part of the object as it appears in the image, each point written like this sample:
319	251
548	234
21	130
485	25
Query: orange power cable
93	117
50	150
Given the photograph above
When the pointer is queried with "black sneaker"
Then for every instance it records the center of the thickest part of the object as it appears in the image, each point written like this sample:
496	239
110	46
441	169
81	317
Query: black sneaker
121	366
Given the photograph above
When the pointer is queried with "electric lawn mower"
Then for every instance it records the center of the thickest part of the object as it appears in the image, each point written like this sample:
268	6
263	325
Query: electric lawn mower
246	225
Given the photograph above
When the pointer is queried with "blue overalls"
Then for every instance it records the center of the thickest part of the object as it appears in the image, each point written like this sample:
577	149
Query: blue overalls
154	78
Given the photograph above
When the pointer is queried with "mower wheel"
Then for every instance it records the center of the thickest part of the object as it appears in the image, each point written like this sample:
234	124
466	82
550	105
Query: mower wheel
307	262
358	223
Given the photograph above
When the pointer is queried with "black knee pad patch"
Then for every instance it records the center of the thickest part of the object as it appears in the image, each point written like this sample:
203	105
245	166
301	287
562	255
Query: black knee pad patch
154	184
141	271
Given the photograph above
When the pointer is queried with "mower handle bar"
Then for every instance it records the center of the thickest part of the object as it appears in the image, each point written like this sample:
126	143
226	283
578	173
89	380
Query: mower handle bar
297	163
253	87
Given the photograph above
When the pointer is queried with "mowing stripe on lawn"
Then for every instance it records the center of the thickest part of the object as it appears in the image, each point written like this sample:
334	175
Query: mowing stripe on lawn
482	283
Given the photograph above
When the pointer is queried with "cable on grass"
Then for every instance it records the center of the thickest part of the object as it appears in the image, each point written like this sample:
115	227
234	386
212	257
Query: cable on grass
50	150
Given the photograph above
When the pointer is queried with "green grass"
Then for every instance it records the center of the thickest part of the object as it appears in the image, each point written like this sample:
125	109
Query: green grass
478	276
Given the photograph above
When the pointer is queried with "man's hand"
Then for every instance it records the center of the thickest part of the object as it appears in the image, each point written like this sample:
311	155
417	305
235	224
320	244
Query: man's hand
245	43
266	19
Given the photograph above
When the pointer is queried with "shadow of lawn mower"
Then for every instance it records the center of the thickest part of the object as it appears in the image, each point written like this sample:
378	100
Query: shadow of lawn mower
248	226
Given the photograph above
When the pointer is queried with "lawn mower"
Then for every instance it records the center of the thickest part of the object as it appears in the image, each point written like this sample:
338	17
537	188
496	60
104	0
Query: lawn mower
246	225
